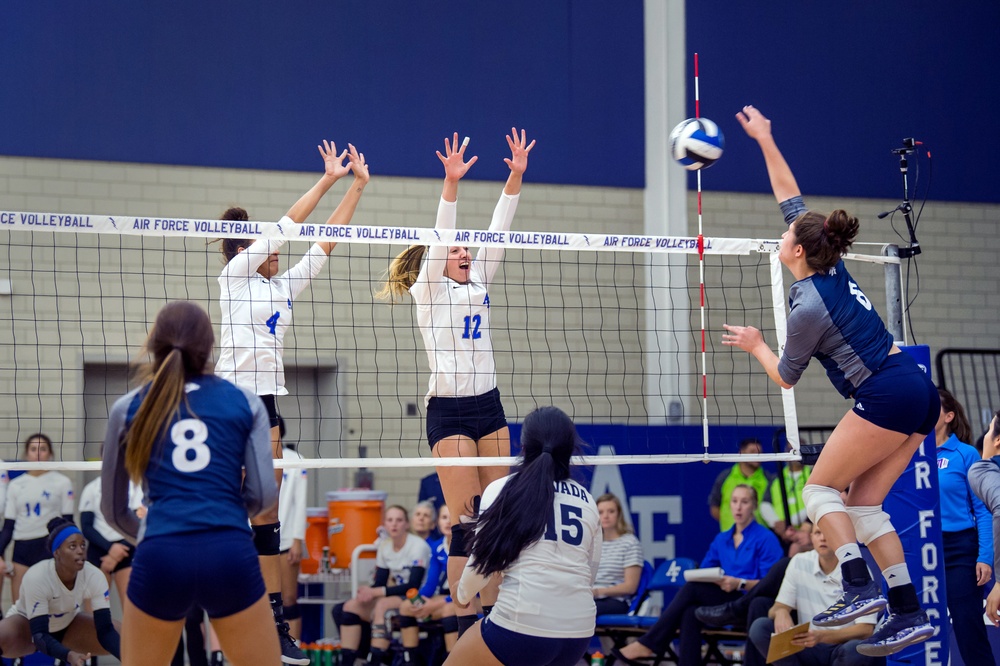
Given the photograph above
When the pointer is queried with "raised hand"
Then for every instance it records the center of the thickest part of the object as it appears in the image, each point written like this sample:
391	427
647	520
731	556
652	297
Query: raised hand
455	166
754	123
357	164
332	162
519	149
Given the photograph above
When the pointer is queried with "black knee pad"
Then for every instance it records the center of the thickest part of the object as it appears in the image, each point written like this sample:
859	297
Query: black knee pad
348	619
449	624
457	547
407	621
267	539
293	612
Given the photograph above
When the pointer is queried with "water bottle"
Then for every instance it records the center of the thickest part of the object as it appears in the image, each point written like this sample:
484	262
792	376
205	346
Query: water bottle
414	597
597	659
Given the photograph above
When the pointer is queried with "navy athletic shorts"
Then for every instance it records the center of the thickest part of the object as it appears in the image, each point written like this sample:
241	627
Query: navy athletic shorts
217	571
95	553
514	649
899	397
31	551
473	417
271	404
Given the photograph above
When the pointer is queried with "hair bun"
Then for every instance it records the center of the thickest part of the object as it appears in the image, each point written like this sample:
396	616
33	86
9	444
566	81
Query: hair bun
841	229
57	522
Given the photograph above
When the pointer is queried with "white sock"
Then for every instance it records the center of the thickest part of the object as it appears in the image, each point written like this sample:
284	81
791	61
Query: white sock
847	552
897	575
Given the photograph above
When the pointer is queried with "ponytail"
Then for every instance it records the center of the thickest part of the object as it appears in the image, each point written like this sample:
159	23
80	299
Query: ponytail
157	409
402	273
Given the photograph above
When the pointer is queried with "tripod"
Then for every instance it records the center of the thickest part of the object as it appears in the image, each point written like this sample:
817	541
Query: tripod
909	147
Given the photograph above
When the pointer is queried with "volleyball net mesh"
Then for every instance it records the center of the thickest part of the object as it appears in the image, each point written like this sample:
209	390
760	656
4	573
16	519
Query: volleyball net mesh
607	327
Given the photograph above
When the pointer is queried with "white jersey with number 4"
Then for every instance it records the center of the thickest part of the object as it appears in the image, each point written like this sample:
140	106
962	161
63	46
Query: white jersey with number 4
43	593
256	313
548	591
32	501
454	318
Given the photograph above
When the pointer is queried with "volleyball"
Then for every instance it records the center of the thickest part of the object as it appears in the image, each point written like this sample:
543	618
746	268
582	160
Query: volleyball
696	143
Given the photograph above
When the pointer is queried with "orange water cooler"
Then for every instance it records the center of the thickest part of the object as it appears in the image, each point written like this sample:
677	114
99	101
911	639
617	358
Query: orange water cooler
317	525
354	519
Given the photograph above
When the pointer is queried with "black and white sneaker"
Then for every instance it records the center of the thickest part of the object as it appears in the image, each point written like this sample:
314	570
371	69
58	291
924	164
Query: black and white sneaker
853	603
290	652
895	632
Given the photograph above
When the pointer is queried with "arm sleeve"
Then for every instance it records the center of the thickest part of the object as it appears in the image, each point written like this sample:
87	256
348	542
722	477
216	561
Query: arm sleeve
114	477
431	277
6	534
91	534
305	270
381	577
792	207
45	642
984	479
471	583
107	635
808	323
259	487
415	580
489	258
246	263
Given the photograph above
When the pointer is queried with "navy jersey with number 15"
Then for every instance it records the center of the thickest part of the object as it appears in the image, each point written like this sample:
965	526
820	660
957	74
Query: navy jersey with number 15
194	481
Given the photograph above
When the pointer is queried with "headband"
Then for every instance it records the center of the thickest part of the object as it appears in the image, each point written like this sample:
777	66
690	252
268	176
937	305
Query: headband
62	535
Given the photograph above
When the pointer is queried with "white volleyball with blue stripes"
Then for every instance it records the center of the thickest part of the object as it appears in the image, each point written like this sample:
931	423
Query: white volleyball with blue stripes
696	143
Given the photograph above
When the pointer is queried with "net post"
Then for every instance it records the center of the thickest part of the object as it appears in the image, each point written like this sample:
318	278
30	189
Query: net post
781	332
894	296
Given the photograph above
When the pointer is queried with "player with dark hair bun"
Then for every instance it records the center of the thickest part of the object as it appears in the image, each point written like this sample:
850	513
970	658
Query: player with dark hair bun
540	531
47	616
895	405
200	447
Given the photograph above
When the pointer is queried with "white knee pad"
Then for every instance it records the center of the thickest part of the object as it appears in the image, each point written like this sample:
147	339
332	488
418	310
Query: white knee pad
821	500
870	522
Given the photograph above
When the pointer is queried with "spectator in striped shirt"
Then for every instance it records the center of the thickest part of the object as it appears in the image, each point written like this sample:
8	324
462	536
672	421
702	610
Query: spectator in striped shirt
621	559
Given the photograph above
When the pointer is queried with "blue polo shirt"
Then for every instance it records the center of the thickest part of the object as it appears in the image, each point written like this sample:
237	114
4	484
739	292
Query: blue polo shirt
755	556
960	508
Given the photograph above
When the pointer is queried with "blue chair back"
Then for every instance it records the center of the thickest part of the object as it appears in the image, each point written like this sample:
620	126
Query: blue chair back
670	574
640	591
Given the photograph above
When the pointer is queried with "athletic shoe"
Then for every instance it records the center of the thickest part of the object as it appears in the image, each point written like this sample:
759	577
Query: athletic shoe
895	632
853	603
723	615
290	652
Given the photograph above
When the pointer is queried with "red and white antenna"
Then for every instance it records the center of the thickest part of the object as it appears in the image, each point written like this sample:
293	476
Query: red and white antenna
701	285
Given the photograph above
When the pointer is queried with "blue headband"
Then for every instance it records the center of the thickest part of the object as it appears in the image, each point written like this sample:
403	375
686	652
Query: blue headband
63	535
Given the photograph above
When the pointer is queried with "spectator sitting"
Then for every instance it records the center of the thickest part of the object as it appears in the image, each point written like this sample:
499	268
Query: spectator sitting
746	551
772	508
621	559
812	583
422	521
749	473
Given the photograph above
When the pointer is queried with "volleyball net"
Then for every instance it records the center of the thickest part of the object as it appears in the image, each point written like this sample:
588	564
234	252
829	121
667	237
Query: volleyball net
615	329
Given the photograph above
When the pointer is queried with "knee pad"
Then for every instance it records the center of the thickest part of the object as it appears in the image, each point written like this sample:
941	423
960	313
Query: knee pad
821	500
293	612
267	539
348	619
379	631
449	624
407	621
870	522
458	547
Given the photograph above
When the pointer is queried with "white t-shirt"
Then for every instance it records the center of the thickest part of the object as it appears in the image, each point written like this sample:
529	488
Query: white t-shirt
292	502
810	591
414	553
4	480
454	319
548	591
256	313
90	500
32	501
42	593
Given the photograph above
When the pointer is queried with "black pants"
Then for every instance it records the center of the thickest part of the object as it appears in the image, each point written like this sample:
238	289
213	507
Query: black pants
766	589
965	598
678	617
611	606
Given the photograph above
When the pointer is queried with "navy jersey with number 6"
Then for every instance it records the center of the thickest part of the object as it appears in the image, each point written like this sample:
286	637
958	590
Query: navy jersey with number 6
194	479
832	319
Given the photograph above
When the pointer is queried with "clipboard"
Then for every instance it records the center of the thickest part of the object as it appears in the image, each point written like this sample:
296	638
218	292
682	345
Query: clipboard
781	644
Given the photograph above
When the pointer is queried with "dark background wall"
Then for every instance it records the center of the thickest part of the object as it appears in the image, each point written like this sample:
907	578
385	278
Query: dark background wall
255	84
